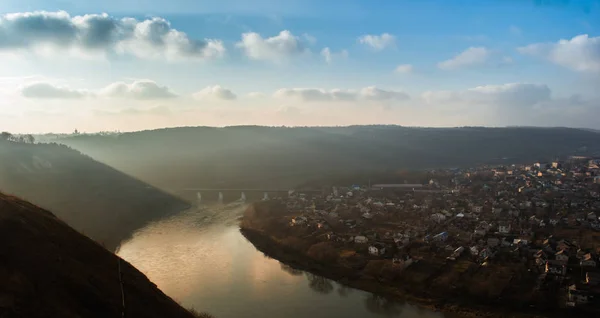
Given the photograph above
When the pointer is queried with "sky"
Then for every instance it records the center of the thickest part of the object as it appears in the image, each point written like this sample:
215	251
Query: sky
143	64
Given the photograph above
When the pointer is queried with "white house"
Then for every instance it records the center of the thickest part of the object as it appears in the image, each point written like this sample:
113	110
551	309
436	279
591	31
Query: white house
377	249
504	228
360	239
438	217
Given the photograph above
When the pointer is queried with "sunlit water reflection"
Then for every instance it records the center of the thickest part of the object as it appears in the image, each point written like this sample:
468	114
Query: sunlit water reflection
200	259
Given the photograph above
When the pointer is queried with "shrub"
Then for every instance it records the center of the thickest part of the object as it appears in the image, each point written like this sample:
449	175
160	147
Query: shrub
198	314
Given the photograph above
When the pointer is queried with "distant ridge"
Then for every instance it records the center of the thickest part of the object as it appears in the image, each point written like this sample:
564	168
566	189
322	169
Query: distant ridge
257	156
95	199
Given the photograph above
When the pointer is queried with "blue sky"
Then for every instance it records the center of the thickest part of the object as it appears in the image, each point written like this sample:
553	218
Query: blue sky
463	53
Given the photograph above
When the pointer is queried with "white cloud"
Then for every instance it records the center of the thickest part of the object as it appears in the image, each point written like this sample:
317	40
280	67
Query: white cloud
317	94
404	69
378	42
329	56
154	111
581	53
256	95
141	89
276	48
100	34
309	39
374	93
215	92
470	57
511	95
45	90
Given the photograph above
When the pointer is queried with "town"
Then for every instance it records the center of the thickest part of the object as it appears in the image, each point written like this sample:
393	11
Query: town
516	231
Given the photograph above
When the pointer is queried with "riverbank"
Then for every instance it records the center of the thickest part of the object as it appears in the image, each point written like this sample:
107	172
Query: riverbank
453	307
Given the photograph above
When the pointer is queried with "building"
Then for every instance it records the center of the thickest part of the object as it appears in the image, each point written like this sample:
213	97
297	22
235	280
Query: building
504	227
377	249
441	237
592	278
556	268
400	186
588	261
561	256
360	239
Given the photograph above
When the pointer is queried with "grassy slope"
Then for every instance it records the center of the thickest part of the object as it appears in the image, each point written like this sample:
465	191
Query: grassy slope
47	269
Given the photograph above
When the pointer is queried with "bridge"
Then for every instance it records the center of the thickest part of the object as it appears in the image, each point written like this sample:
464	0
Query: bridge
237	194
252	190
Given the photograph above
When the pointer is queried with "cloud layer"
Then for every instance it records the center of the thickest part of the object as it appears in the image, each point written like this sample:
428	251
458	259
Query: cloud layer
101	34
470	57
378	42
43	90
142	90
318	94
276	48
511	95
215	92
581	53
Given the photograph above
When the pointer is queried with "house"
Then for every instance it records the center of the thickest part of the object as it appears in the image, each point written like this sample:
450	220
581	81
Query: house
402	261
377	249
561	256
360	239
588	261
592	278
493	241
457	252
577	296
299	220
438	217
504	227
556	268
564	245
522	242
441	237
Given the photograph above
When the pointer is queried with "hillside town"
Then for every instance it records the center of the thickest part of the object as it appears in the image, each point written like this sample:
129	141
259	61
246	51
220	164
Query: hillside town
536	225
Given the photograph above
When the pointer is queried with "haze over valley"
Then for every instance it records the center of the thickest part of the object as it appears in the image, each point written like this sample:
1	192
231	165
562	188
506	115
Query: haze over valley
299	158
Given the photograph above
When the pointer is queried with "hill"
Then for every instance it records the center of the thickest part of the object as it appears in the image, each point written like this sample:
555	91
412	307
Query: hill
252	156
95	199
47	269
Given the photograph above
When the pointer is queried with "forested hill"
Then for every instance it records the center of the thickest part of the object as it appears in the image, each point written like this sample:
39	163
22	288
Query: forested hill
47	269
95	199
255	156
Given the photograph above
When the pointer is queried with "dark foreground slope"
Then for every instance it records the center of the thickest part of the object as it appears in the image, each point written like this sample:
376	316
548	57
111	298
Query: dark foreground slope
47	269
279	157
95	199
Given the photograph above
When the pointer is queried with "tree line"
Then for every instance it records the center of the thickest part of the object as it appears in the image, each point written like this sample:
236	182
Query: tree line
26	139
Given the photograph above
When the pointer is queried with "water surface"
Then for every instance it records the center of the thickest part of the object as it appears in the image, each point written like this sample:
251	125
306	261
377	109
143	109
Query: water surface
200	259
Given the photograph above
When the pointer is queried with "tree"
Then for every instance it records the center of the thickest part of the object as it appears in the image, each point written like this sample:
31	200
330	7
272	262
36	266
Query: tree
29	139
5	135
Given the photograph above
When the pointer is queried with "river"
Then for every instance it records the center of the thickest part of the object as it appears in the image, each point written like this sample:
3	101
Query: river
200	259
